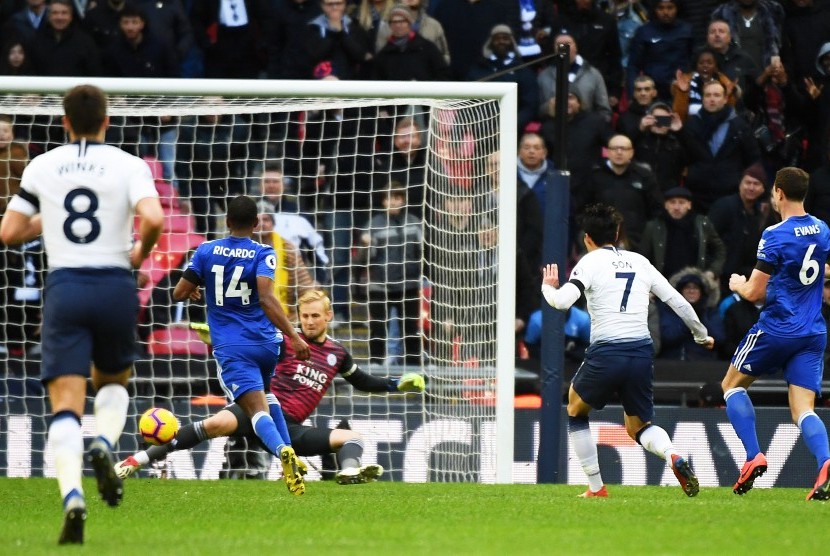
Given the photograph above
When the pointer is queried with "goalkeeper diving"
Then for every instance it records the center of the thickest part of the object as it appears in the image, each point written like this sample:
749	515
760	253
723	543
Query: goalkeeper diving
298	386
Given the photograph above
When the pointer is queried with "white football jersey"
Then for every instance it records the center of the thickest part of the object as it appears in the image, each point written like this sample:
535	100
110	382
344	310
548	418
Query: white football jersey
86	193
617	287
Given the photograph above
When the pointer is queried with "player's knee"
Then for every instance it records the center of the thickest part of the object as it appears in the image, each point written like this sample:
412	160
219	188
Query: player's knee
338	437
222	424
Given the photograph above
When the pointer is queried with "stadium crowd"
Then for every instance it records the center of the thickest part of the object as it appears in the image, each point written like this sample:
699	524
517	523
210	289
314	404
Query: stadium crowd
678	113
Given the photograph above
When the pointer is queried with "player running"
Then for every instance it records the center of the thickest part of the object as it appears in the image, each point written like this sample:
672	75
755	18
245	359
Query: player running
82	197
790	333
617	285
243	314
299	386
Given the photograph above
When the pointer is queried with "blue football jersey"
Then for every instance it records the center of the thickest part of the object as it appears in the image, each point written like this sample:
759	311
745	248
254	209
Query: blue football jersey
228	269
796	249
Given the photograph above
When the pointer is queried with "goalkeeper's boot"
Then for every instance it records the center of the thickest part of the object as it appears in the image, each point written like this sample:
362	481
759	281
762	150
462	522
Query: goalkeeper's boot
74	516
751	470
821	491
291	471
685	476
127	467
110	486
349	476
370	472
601	493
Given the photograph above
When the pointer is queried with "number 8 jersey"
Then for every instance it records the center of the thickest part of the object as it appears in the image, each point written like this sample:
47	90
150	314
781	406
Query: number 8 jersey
228	270
86	193
793	253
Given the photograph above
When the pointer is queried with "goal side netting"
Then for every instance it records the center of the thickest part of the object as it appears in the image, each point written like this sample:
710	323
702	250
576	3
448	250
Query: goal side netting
426	288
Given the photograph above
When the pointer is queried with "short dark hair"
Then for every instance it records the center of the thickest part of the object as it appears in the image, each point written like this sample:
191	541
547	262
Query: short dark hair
85	107
272	166
242	213
130	10
793	182
601	222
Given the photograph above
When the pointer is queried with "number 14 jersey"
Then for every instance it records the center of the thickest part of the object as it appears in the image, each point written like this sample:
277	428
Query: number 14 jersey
86	193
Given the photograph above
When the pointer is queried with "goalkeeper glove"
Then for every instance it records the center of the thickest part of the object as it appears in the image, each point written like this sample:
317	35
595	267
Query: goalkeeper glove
203	330
411	382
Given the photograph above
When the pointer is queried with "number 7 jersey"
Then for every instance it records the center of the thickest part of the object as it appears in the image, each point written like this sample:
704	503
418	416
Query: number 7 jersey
793	253
617	285
228	269
86	193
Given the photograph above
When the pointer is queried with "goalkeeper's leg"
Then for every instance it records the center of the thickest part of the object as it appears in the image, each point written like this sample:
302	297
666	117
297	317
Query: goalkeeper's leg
349	447
189	436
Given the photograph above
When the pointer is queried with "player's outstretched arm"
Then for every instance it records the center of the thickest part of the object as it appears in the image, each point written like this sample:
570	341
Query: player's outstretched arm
558	298
360	379
149	229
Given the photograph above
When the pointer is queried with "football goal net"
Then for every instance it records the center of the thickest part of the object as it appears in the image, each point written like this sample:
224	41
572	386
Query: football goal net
398	199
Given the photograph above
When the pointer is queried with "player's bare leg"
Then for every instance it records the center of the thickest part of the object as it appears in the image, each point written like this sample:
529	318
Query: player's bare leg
741	414
583	443
111	404
66	397
802	402
656	440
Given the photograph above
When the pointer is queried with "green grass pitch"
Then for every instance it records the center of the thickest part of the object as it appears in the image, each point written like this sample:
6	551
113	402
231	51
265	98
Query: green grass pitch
261	517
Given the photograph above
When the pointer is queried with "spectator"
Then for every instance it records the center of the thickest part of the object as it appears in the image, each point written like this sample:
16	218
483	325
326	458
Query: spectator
62	48
698	13
229	34
25	23
501	55
817	201
595	33
407	55
658	146
756	26
336	42
424	24
701	291
371	15
535	170
137	53
467	25
13	59
587	134
680	237
101	21
290	224
289	58
738	66
392	249
806	28
659	48
291	277
407	163
584	79
645	93
719	145
818	107
739	219
169	23
14	156
628	186
687	88
776	120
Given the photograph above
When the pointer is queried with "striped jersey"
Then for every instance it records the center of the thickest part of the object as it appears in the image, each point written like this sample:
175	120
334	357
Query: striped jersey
300	385
86	193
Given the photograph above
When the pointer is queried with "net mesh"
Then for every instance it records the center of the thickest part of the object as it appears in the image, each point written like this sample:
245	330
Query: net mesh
417	296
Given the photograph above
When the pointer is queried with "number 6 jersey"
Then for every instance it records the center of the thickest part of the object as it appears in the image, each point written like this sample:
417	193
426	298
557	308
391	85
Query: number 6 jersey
86	193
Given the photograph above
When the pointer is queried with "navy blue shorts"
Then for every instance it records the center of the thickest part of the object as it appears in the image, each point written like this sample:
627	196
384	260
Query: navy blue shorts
626	370
243	368
801	358
89	315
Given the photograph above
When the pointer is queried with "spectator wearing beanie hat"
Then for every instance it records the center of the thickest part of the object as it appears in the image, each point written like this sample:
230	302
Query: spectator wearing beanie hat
739	220
679	238
423	23
407	55
500	54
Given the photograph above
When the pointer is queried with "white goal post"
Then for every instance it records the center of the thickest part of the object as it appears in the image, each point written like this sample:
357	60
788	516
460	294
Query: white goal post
465	430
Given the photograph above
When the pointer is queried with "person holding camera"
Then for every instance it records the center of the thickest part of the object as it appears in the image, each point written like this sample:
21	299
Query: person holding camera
658	146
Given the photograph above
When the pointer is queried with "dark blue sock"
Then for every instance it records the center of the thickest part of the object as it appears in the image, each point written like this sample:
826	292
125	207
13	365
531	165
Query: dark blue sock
275	409
814	434
578	423
267	432
741	414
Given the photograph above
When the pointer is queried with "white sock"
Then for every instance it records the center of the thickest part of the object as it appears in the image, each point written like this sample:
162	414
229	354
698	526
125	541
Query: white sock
67	445
142	458
111	404
586	450
657	441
